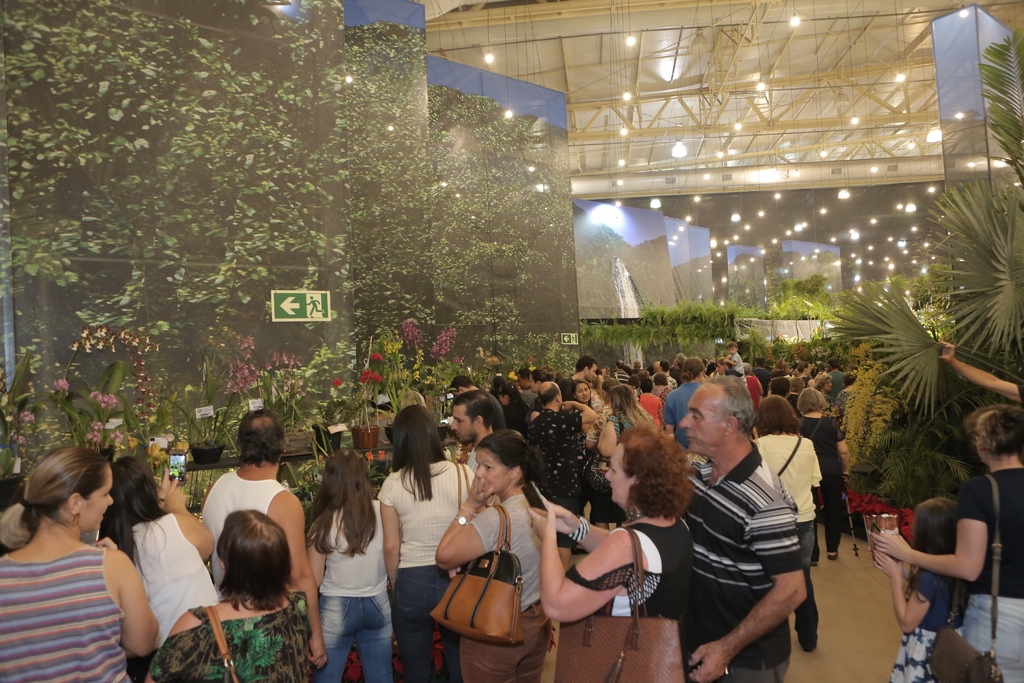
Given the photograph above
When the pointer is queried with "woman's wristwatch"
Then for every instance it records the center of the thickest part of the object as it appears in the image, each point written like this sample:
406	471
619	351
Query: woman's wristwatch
462	519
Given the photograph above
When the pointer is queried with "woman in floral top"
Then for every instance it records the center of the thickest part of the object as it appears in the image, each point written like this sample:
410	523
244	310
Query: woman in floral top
266	626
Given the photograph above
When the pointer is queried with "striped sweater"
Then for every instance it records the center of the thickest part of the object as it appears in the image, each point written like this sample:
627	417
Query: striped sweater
58	621
744	533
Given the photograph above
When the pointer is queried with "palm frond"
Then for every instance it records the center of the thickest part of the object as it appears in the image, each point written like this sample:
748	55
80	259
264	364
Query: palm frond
986	269
913	353
1003	78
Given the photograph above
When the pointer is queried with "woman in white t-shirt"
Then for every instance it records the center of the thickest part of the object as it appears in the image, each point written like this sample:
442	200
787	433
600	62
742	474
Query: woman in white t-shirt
793	458
418	501
345	545
168	545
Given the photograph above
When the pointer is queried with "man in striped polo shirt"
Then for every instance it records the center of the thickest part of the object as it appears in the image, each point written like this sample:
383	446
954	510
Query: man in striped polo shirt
747	573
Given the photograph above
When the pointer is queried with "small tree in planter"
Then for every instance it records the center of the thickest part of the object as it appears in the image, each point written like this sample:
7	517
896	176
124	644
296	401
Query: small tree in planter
17	415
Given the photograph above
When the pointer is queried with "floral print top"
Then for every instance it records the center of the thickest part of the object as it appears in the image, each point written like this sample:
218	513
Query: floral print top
271	648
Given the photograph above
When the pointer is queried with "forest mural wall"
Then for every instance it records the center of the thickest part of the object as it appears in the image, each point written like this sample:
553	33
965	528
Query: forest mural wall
171	163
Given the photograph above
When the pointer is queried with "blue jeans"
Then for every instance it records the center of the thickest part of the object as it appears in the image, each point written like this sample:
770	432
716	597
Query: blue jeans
807	612
368	621
417	592
1009	632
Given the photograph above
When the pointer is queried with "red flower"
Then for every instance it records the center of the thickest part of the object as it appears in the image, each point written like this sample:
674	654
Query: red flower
376	356
336	382
377	378
366	376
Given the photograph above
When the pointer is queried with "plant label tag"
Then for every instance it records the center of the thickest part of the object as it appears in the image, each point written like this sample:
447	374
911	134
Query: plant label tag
340	427
205	411
17	466
383	398
113	423
160	441
255	404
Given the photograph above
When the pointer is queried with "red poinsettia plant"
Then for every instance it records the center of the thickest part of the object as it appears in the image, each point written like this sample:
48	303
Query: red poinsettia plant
867	504
371	381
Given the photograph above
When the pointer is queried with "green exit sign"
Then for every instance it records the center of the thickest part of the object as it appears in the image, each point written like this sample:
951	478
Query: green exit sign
299	305
570	338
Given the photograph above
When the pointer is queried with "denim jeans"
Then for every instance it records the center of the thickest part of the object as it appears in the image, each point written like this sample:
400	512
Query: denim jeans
368	621
1009	632
807	613
417	592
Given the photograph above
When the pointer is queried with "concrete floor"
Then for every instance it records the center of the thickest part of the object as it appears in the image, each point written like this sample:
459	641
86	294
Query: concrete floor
857	634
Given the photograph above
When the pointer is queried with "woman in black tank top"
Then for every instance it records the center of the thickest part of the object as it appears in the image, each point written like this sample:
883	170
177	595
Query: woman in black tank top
649	477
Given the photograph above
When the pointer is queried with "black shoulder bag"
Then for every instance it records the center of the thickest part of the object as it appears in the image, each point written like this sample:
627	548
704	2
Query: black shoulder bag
953	660
793	454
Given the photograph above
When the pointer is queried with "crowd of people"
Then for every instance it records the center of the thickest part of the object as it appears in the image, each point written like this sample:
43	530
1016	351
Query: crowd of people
719	467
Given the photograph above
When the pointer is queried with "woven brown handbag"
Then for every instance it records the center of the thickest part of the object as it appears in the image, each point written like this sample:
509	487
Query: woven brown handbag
483	603
631	649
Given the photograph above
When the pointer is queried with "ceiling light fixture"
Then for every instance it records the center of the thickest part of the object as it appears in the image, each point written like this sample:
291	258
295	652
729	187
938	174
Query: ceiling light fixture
655	203
900	78
855	120
627	96
679	150
630	40
794	21
622	162
489	58
934	135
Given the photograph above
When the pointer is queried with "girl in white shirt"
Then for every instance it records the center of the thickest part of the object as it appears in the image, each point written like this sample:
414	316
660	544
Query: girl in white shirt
418	501
346	552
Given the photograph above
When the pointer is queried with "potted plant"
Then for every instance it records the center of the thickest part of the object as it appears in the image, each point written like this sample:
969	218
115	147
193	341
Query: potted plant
208	409
366	432
333	411
17	414
99	417
282	388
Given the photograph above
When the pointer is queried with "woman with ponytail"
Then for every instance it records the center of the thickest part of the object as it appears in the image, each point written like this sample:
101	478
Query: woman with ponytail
505	464
50	568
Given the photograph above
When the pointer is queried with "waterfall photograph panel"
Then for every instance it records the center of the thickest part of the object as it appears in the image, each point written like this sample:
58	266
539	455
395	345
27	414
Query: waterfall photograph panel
622	260
746	281
689	251
801	260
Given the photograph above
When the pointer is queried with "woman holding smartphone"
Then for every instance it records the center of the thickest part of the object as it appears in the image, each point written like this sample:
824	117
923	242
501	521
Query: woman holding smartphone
505	465
168	545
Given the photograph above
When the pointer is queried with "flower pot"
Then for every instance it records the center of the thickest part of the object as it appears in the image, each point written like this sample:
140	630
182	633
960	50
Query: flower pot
8	487
365	437
206	455
107	452
325	440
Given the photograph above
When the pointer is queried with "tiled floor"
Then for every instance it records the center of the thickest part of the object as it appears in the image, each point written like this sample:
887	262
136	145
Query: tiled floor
857	635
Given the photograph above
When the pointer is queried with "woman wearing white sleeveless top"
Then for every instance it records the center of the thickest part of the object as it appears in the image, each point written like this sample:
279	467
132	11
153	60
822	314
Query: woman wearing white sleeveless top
167	544
418	502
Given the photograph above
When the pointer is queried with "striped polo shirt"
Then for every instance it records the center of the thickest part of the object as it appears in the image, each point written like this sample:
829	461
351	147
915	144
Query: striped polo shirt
744	532
58	621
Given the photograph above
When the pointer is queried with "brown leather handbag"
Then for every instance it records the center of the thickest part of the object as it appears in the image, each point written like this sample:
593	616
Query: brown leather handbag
634	649
953	659
483	603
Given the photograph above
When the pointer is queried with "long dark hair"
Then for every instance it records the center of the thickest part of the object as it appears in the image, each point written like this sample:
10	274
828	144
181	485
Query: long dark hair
346	491
417	447
136	501
503	388
935	534
511	449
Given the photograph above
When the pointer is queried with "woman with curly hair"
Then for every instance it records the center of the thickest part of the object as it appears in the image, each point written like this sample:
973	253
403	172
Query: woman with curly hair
649	476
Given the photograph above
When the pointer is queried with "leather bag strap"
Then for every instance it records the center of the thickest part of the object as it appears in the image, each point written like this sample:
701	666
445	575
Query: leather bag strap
504	530
222	642
997	556
793	454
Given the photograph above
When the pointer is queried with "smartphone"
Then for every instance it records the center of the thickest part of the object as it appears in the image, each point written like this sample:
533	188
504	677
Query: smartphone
176	465
943	350
533	497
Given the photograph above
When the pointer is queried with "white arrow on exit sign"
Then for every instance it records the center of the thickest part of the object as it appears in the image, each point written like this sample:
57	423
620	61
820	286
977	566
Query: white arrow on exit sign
289	305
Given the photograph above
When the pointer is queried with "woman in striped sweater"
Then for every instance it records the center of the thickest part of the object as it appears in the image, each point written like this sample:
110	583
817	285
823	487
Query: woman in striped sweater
67	608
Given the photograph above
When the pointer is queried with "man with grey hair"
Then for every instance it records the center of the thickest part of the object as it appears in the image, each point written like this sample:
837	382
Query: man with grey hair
747	569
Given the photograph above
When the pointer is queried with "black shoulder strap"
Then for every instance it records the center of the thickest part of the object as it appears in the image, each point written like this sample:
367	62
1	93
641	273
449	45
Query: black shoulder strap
793	454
